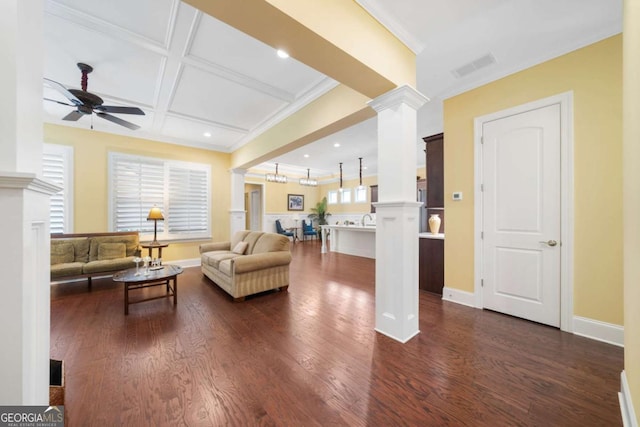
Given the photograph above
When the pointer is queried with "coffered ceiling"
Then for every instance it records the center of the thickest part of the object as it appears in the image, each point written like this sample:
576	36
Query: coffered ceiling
192	74
199	81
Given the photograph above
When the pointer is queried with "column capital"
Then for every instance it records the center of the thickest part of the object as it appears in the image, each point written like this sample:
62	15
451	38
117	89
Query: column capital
404	94
27	181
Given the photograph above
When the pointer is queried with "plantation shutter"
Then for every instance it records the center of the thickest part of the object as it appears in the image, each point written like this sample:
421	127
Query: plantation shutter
57	168
179	189
188	202
137	185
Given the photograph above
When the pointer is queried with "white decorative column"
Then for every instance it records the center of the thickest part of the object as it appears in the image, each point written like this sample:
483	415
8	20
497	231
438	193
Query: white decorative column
397	213
24	209
237	213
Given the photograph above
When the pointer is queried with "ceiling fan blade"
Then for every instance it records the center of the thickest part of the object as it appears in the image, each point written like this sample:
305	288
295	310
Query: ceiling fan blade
73	116
119	110
118	120
64	91
58	102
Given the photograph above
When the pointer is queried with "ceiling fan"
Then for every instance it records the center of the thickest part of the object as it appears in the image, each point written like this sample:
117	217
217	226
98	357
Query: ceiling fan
87	103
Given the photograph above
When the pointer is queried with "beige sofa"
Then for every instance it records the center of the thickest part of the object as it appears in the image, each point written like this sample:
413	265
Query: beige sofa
91	254
262	265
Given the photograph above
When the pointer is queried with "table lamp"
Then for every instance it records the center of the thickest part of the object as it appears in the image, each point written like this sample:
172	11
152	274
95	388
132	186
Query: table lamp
155	215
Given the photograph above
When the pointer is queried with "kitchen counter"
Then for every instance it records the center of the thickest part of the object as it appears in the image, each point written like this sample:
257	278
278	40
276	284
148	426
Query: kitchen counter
439	236
350	239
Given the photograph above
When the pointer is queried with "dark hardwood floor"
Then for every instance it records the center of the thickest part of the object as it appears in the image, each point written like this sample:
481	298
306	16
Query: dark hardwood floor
310	357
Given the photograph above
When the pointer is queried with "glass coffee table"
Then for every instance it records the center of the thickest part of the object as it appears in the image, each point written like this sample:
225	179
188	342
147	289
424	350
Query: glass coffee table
134	278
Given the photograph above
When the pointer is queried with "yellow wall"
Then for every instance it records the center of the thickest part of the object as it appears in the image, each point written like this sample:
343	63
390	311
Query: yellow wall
276	197
631	190
91	150
349	208
594	74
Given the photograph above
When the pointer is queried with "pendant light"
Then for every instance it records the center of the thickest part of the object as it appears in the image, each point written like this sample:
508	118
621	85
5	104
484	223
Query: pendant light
340	189
308	181
360	187
279	179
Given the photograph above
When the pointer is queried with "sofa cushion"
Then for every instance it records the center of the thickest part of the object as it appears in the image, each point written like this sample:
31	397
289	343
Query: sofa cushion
238	237
240	248
62	252
271	242
66	269
111	251
108	265
130	241
213	258
251	239
80	248
225	267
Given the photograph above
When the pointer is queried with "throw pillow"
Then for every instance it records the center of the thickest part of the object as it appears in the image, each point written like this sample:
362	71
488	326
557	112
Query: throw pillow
108	251
61	253
240	248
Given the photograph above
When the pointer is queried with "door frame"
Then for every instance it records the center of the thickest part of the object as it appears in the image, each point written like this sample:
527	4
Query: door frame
263	217
565	100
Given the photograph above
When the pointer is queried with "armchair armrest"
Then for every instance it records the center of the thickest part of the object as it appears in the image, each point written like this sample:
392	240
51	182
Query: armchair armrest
217	246
247	263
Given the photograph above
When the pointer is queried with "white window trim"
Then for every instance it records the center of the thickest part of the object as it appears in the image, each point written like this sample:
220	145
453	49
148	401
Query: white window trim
329	202
342	193
66	152
164	234
366	195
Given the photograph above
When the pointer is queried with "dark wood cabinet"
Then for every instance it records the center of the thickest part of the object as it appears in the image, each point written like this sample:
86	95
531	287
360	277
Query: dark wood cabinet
435	170
431	273
435	176
374	197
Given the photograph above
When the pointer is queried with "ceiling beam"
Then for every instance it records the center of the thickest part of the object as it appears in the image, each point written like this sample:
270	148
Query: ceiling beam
335	37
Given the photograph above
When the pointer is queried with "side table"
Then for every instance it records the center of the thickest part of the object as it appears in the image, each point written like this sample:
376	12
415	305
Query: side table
152	246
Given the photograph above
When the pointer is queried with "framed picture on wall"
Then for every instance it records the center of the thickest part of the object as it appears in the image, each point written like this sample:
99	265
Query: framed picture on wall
295	202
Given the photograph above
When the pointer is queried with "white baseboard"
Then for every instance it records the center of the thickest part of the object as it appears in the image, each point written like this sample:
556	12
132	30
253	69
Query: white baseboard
458	296
626	405
597	330
186	263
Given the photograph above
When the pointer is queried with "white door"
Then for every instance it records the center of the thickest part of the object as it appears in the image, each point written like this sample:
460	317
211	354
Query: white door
521	215
256	203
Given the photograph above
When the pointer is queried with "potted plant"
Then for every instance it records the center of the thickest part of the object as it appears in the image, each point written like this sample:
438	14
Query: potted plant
320	213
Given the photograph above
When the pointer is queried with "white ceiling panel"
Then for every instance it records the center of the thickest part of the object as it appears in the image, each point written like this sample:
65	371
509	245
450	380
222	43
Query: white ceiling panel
217	43
192	130
206	96
148	18
121	70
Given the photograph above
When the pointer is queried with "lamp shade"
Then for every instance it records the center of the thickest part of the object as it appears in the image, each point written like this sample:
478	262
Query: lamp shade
155	214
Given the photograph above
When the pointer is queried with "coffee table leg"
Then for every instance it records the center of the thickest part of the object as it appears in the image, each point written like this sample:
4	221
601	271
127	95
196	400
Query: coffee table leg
175	290
126	298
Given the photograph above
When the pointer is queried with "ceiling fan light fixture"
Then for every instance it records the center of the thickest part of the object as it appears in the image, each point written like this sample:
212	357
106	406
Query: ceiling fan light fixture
277	178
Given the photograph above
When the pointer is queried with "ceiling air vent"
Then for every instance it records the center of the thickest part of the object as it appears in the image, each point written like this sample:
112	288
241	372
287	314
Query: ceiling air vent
476	64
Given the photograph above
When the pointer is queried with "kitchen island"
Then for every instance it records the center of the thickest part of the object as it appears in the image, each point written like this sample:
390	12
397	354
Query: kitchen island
350	239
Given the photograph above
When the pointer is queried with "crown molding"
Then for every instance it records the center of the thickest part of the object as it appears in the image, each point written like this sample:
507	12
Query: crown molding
27	181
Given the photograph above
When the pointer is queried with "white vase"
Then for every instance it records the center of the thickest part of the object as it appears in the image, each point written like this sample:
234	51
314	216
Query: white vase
434	223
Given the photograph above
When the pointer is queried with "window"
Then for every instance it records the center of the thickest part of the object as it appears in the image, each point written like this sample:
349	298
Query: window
57	167
345	195
179	189
332	197
360	194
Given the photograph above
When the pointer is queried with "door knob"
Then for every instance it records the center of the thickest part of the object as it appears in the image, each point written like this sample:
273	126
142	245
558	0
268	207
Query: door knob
549	242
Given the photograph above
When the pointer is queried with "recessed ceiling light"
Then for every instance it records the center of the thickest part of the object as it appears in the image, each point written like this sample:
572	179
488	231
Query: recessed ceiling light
282	54
364	167
336	145
306	156
207	134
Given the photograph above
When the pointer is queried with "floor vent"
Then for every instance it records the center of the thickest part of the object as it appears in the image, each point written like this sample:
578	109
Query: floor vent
476	64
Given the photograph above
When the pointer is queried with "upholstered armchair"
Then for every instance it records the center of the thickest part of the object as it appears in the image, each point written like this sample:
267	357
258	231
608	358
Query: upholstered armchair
308	230
282	231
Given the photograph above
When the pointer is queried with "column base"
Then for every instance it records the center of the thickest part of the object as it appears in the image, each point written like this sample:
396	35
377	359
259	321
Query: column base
397	269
